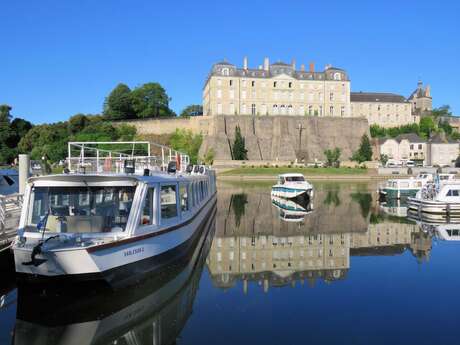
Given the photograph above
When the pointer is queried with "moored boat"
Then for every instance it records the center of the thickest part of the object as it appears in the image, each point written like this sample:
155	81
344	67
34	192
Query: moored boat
109	226
290	186
436	201
401	188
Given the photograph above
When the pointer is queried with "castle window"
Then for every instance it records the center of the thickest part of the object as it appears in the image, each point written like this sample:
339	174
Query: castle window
378	107
274	84
290	84
310	110
231	82
253	109
331	110
320	110
290	110
331	96
342	111
275	109
253	83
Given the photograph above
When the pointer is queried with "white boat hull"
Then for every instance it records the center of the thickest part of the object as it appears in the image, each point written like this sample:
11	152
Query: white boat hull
116	260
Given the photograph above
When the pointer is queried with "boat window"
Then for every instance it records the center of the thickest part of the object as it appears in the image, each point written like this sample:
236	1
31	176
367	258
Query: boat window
404	184
9	181
168	202
184	201
80	209
190	192
147	210
294	178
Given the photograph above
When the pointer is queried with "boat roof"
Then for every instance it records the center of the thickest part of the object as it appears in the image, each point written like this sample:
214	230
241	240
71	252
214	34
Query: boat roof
291	175
130	178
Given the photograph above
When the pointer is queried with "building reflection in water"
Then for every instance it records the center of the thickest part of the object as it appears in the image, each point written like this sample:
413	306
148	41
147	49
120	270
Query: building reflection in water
263	247
152	312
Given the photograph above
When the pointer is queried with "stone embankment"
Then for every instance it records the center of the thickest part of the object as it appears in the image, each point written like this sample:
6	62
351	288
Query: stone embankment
273	138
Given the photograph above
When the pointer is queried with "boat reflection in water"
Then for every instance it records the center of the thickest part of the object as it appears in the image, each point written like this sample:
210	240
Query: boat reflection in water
442	231
292	210
255	245
152	312
394	207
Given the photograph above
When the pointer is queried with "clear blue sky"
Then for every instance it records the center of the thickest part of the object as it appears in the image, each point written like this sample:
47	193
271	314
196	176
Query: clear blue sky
58	58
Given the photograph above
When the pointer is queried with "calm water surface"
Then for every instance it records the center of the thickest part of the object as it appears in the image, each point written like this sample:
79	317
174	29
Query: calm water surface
344	270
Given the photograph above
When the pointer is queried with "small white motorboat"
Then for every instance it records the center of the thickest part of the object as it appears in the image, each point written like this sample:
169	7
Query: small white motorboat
290	186
406	187
437	200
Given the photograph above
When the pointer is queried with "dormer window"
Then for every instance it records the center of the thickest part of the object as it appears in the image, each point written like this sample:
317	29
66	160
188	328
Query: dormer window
225	71
337	76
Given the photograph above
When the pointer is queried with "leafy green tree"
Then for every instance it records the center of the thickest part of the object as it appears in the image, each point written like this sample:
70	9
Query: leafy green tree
77	123
150	100
119	105
364	152
333	157
208	158
441	111
10	134
377	131
238	202
384	159
185	141
427	126
192	110
239	146
446	127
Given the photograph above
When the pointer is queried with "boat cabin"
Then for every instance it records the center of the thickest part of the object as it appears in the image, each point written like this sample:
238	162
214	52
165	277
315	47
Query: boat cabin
284	178
99	205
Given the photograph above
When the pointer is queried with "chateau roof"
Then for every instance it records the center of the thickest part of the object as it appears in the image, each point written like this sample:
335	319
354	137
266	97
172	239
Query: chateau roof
376	97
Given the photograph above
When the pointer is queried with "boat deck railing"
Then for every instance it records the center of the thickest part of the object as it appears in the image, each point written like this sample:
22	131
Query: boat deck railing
114	157
10	210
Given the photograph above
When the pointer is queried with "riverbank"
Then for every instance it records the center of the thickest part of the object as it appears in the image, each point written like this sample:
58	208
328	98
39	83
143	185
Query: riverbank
271	173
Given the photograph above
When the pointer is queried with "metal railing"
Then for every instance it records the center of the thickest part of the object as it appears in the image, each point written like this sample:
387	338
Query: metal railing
111	157
10	210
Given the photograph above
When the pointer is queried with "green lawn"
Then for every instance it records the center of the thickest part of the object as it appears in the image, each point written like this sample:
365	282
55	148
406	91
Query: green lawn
305	171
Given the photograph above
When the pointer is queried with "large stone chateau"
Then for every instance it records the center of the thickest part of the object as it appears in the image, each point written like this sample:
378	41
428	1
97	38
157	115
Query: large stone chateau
282	89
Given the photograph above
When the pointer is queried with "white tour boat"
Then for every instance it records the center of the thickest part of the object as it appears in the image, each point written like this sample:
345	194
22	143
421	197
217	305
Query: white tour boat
109	226
290	186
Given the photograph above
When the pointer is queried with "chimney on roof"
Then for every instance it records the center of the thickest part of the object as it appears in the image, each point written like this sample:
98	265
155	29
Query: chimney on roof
312	67
245	62
293	64
266	64
302	67
428	91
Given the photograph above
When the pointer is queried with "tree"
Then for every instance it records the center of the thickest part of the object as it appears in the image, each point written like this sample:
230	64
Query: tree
239	147
77	123
441	111
192	110
377	131
118	104
208	158
445	126
384	159
427	126
187	142
7	146
333	157
150	100
364	152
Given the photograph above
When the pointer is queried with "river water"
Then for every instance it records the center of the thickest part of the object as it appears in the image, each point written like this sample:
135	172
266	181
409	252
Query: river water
343	270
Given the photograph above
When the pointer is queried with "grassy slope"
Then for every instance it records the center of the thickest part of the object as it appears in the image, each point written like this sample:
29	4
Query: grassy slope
305	171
